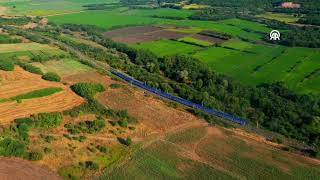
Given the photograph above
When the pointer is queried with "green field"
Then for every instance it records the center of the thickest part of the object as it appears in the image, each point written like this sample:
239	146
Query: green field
256	64
124	17
280	17
44	8
249	63
168	47
33	94
63	67
196	154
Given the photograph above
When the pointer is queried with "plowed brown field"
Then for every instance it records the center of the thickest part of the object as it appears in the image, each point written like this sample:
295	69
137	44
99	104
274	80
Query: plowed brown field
18	82
17	169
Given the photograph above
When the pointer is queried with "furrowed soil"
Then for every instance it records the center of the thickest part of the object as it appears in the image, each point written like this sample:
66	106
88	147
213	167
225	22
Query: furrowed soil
208	38
17	169
142	34
18	82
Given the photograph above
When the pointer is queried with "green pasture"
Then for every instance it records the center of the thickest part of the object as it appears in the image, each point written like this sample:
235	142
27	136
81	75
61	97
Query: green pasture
161	161
255	64
217	157
45	8
63	67
168	47
124	17
288	18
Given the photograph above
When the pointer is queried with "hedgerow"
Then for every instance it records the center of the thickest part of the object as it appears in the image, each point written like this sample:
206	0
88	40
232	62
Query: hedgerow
51	76
30	68
6	65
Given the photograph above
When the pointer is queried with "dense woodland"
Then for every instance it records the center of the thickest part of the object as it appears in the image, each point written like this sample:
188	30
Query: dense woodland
272	106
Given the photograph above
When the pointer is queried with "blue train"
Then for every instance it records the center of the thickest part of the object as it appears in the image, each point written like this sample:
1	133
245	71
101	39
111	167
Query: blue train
178	99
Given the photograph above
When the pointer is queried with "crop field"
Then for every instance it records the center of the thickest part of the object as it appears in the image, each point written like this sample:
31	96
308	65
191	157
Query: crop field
192	40
280	17
23	47
33	95
63	67
210	152
168	47
255	64
44	8
22	168
140	34
125	17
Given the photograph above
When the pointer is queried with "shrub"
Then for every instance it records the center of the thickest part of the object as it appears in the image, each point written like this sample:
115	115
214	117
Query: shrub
47	150
115	86
47	138
86	127
12	147
126	142
34	156
28	121
30	68
6	65
123	123
51	76
49	120
102	148
91	165
87	90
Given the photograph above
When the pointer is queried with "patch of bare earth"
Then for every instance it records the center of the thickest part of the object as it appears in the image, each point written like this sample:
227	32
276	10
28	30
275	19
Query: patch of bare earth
20	81
142	34
3	10
131	30
208	38
18	169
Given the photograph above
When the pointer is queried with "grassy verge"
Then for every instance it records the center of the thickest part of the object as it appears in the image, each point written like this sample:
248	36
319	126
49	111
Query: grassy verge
33	94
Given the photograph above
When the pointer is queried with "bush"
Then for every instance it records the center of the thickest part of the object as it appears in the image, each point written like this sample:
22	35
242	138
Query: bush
86	127
34	156
28	121
91	165
115	86
6	65
49	120
123	123
30	68
126	142
87	90
51	76
47	150
12	147
102	148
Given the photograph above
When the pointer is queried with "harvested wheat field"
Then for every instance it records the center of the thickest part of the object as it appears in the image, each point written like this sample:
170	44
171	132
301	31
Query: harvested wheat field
150	111
18	82
153	113
17	169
